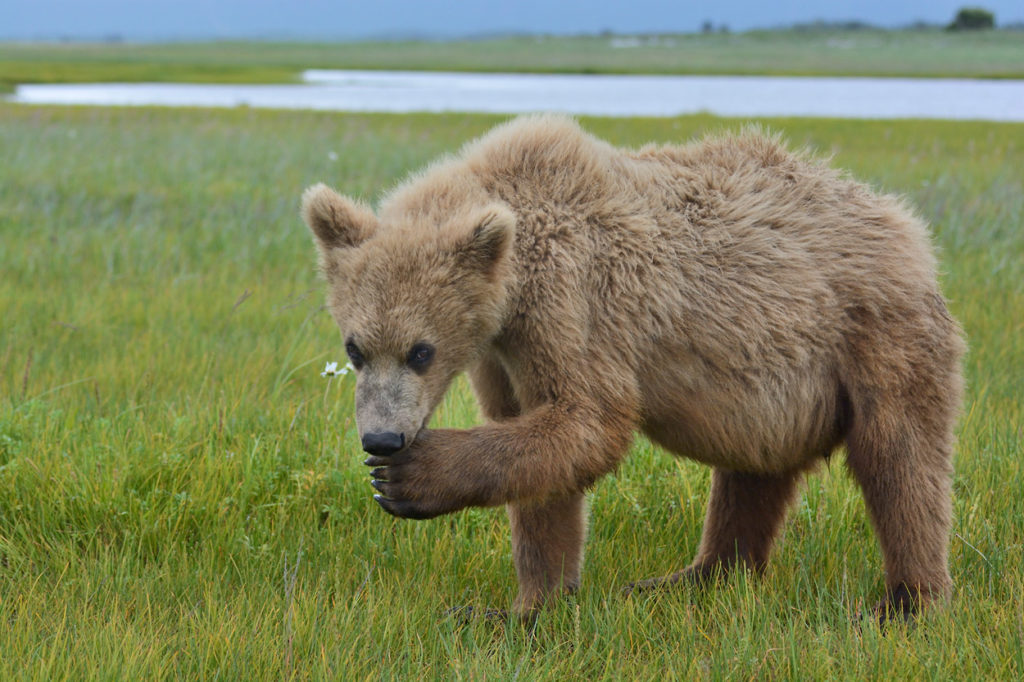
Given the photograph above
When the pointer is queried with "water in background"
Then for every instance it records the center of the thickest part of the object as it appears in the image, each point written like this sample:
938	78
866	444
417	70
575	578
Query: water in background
619	95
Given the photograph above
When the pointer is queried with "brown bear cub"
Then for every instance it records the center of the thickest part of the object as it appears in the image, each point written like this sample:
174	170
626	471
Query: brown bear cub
741	305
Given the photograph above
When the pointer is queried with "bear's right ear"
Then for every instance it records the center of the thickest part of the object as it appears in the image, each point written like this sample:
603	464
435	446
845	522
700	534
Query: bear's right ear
336	221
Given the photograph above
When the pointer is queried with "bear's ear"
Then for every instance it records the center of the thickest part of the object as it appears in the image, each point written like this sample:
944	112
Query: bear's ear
490	239
336	221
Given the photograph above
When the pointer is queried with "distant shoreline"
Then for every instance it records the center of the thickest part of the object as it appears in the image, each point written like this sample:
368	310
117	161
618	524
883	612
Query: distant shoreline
1014	24
924	53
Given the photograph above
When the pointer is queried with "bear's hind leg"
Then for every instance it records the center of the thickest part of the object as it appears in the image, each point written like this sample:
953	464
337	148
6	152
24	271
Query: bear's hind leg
745	513
547	545
905	476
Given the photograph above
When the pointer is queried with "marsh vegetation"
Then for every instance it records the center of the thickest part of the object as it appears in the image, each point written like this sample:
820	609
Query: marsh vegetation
181	493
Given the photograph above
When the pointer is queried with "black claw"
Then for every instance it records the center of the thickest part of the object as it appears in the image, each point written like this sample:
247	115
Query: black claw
403	509
396	459
385	504
377	484
380	473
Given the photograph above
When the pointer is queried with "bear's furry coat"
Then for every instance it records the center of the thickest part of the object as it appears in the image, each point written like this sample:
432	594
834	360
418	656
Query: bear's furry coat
741	305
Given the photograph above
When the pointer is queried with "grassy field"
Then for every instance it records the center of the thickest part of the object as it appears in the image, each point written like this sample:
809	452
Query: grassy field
925	53
181	494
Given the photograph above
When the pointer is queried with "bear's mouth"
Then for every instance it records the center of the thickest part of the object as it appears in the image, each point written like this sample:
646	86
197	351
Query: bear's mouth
409	440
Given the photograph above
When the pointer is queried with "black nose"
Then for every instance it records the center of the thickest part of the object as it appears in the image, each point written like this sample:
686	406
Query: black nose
383	443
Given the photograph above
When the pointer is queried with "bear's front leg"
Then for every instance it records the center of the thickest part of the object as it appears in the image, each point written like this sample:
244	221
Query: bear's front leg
547	546
554	451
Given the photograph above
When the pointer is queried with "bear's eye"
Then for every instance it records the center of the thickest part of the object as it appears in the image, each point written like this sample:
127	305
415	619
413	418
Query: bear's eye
354	355
420	356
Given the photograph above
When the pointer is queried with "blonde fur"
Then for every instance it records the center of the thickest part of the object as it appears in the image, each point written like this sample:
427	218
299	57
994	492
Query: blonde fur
742	305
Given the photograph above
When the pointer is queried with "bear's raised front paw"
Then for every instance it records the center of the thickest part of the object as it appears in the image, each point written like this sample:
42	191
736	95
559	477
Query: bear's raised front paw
416	483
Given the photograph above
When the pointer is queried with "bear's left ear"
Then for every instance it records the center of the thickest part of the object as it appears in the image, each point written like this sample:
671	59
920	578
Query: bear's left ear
489	241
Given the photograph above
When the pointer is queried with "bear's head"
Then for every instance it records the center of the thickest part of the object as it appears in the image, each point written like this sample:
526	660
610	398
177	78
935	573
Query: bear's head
417	302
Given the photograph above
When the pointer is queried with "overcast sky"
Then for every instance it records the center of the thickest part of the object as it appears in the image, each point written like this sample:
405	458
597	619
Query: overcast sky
313	19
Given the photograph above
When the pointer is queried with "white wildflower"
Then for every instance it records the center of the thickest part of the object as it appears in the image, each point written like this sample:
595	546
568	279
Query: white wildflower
333	156
332	370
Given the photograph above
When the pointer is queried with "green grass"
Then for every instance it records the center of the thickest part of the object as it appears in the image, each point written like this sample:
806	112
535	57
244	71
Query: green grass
181	494
925	53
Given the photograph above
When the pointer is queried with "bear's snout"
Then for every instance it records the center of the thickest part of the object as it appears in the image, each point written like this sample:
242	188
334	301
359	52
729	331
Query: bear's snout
383	443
